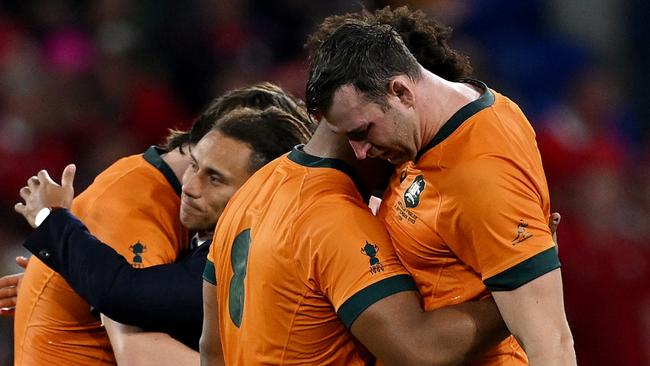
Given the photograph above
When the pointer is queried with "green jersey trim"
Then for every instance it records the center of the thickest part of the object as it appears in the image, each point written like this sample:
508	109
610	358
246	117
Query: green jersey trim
300	157
359	302
208	273
152	156
524	272
485	100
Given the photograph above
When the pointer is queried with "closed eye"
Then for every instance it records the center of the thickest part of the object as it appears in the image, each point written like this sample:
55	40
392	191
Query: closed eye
358	134
194	166
216	179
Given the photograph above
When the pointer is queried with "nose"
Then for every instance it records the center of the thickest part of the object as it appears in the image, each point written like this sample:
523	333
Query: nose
360	149
190	184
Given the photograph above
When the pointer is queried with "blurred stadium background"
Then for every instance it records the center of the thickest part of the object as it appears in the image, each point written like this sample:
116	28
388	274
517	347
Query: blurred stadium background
91	81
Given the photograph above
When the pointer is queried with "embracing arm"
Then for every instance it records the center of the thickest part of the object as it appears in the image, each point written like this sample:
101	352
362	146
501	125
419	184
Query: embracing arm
106	280
535	314
9	287
9	290
132	346
399	332
211	353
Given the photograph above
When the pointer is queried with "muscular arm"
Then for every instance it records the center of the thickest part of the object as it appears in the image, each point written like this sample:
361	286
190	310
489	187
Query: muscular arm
132	346
105	279
211	353
399	332
535	314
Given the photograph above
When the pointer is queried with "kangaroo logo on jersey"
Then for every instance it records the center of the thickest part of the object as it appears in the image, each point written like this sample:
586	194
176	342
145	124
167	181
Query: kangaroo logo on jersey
412	194
522	234
371	251
137	249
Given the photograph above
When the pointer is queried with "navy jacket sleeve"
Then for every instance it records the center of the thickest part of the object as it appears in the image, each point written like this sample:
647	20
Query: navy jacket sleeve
165	298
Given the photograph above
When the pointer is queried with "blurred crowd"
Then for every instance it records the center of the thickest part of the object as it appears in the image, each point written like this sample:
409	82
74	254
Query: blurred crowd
91	81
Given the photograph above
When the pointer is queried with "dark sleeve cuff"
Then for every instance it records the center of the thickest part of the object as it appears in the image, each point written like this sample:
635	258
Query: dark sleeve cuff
43	242
359	302
524	272
208	273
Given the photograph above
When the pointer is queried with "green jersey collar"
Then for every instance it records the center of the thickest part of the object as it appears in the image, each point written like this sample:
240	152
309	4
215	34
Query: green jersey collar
485	100
153	157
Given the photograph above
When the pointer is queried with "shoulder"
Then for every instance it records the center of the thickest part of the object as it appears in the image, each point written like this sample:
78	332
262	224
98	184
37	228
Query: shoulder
129	178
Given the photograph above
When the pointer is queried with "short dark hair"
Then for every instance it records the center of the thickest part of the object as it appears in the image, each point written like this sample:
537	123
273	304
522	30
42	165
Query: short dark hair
426	38
269	133
363	55
259	96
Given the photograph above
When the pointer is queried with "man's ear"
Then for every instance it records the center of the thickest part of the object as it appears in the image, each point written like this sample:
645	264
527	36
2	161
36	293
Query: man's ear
402	87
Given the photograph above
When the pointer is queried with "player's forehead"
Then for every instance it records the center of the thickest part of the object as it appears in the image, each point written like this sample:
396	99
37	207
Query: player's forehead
349	110
216	151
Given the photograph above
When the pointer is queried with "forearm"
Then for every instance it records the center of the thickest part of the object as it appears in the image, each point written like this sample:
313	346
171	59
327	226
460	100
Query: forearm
463	331
210	344
398	332
132	346
164	297
63	243
106	280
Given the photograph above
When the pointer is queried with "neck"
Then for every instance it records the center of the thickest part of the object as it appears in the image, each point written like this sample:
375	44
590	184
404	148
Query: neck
326	144
442	99
177	161
371	173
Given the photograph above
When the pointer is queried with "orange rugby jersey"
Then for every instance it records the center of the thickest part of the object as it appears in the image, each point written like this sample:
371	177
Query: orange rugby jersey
470	215
132	206
296	257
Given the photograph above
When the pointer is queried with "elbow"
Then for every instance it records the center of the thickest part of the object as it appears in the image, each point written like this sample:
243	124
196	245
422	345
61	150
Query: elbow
565	344
557	349
204	345
210	351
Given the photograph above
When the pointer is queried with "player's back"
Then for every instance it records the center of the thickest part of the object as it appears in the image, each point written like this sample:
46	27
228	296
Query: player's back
131	206
278	290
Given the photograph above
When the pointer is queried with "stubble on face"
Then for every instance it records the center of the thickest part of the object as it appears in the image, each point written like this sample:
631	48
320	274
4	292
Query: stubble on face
388	127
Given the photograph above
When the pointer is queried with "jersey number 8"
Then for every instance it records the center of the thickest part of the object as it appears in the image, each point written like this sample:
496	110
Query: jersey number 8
239	260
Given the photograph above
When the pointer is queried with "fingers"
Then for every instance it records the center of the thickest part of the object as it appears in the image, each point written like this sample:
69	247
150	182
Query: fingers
9	281
25	212
24	193
554	222
44	177
9	290
33	181
20	208
8	297
67	178
556	217
22	262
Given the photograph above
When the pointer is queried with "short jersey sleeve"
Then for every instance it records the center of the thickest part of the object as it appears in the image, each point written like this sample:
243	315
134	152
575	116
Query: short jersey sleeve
143	227
353	262
498	223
